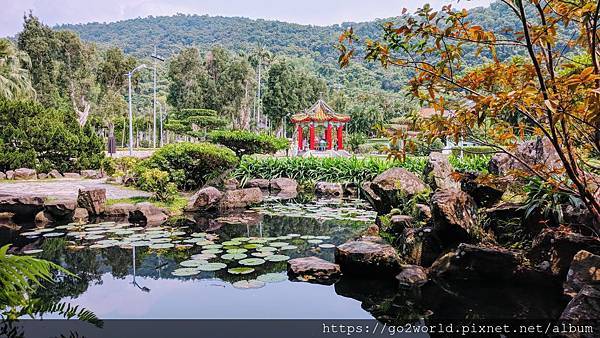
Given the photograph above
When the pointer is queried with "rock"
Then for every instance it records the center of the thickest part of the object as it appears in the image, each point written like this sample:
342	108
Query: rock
412	276
91	174
2	176
558	246
258	183
148	214
230	183
93	200
43	218
204	199
398	223
351	190
61	210
25	174
10	175
313	270
419	246
366	257
485	194
119	210
372	230
283	184
394	186
477	263
533	153
24	208
372	197
80	215
54	174
438	172
42	176
454	217
424	212
585	307
329	189
240	198
72	175
585	269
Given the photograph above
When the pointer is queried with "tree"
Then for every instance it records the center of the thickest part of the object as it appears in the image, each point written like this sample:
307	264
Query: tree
15	81
563	108
188	80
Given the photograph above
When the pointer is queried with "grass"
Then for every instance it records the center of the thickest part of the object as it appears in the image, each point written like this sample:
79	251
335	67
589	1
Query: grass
175	207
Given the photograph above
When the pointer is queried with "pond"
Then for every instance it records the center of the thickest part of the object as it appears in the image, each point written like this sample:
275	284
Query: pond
234	266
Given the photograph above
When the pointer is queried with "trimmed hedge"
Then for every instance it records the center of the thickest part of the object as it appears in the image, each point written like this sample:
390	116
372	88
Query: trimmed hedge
248	143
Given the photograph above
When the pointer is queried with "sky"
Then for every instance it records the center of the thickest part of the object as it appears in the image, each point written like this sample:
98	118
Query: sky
315	12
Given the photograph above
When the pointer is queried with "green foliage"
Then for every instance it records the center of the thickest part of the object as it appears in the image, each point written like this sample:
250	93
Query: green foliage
473	151
157	182
247	143
476	163
354	140
190	165
545	200
15	81
45	139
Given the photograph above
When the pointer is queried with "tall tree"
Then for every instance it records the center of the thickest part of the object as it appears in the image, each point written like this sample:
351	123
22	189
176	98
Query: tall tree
188	80
15	80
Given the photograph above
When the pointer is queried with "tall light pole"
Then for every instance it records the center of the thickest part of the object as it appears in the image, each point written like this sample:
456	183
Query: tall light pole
160	118
155	57
129	75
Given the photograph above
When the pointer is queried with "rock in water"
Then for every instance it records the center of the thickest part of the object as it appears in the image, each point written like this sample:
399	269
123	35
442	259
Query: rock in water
61	210
93	200
240	198
329	189
366	257
149	214
80	215
283	184
119	210
454	217
258	183
204	199
438	172
24	208
313	270
412	276
395	185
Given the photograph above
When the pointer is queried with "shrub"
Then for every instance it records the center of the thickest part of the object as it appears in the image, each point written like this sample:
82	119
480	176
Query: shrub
248	143
472	151
190	165
478	163
355	140
157	182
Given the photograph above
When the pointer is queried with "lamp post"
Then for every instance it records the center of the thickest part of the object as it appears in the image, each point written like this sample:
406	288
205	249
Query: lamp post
155	57
161	117
129	75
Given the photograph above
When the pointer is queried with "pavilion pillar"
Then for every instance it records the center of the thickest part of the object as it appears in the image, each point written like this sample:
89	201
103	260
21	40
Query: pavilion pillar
329	136
300	138
340	137
311	132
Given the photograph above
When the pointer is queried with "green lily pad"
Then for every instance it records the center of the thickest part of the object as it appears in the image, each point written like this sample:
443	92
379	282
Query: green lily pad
272	277
252	246
198	234
315	241
288	247
162	245
323	237
30	233
233	243
177	233
141	243
240	271
237	251
279	244
212	266
53	234
212	246
277	258
252	261
294	235
203	242
94	237
182	272
262	254
236	257
249	284
212	251
32	251
241	239
307	237
326	246
190	263
203	256
258	241
266	249
160	240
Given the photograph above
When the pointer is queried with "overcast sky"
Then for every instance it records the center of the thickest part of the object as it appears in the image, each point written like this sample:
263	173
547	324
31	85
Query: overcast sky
316	12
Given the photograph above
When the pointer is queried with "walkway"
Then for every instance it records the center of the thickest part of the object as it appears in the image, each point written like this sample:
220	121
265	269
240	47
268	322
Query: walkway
66	188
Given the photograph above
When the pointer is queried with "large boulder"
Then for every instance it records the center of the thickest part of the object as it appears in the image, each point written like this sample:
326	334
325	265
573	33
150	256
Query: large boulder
204	199
148	214
91	174
283	184
328	189
61	210
585	307
25	174
539	152
93	200
585	269
42	176
397	224
485	192
24	208
454	216
395	185
230	183
313	270
258	183
2	176
371	197
240	198
72	175
367	257
10	174
119	210
438	172
412	276
54	174
419	246
42	218
554	249
80	215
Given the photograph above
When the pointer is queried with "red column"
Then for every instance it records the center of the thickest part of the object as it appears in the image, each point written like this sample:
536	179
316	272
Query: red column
311	133
340	137
329	136
300	138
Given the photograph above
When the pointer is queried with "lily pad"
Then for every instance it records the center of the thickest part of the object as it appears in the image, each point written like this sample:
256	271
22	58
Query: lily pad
266	249
182	272
212	266
272	277
326	246
233	243
252	246
315	241
237	251
203	256
257	241
160	240
323	237
162	245
277	258
190	263
94	237
279	244
249	284
198	234
30	233
212	251
32	251
241	271
53	234
252	261
141	243
262	254
289	247
236	257
240	239
203	242
212	246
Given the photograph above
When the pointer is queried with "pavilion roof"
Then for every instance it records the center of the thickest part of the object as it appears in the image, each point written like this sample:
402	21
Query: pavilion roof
319	112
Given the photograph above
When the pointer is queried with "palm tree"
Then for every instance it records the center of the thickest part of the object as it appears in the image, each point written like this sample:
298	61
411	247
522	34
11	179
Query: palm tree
15	81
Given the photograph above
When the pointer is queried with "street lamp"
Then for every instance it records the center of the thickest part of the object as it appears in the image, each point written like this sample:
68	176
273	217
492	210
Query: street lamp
161	119
129	75
155	57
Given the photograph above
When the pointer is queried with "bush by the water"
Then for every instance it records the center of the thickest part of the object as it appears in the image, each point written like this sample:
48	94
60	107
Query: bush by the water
247	143
190	165
158	182
44	139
